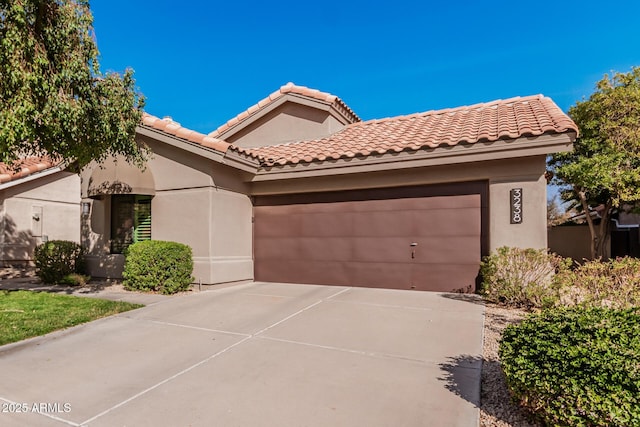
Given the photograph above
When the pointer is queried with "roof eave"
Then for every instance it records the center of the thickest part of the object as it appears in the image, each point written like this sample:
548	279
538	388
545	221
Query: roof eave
181	143
459	153
32	177
241	161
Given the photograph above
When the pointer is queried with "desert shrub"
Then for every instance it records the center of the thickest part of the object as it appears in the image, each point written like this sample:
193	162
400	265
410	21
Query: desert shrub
614	283
522	277
56	259
155	265
576	366
75	279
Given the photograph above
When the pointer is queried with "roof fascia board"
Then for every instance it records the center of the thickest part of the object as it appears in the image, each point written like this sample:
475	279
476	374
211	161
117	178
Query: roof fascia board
520	147
242	162
183	144
326	106
31	177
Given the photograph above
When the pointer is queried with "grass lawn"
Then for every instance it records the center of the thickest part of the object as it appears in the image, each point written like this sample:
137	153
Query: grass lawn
26	314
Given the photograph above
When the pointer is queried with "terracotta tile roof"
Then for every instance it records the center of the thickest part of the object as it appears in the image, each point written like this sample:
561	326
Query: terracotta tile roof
502	119
167	125
25	167
288	88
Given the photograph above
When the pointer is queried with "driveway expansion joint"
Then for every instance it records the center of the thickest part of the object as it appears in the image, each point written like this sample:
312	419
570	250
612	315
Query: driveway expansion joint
206	360
354	351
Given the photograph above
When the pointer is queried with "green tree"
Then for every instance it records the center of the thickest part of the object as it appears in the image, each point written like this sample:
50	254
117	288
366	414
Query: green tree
604	167
53	98
555	214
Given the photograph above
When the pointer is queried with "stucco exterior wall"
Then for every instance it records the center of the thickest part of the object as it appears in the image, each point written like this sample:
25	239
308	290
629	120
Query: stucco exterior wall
216	223
197	202
55	199
532	231
289	122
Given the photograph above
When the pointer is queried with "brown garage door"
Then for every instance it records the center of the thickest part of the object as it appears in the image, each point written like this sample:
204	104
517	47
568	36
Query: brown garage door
424	238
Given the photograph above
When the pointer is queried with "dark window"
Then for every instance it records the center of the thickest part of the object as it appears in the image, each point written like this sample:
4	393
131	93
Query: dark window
130	221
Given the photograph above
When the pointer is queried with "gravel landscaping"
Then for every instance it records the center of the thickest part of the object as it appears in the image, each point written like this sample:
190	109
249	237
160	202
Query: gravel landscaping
496	408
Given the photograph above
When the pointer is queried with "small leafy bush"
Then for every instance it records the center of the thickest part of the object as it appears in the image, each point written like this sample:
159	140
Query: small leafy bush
614	283
159	266
522	277
576	366
75	279
56	259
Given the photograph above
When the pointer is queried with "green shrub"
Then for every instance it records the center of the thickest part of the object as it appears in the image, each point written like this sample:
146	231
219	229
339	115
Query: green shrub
576	366
75	279
614	284
155	265
56	259
522	277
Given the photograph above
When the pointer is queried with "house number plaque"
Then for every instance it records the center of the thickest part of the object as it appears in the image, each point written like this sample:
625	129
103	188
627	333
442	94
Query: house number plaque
516	205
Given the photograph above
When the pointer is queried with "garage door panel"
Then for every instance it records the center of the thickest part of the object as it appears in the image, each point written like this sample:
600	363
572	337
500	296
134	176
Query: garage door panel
322	224
274	248
327	239
298	271
444	277
431	277
276	221
380	249
380	275
338	273
436	202
312	249
444	249
357	249
446	222
325	249
382	223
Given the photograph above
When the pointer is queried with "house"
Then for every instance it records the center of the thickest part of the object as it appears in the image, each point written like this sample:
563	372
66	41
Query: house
298	188
39	201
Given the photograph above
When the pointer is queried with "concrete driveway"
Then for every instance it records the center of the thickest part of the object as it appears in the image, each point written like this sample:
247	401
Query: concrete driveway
258	354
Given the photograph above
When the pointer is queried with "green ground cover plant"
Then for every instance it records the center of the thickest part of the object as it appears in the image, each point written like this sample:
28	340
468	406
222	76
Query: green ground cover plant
576	366
26	314
158	266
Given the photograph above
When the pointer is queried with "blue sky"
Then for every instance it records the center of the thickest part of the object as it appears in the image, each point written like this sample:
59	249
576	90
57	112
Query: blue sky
203	62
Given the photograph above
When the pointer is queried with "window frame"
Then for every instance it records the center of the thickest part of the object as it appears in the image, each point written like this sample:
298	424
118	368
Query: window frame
130	221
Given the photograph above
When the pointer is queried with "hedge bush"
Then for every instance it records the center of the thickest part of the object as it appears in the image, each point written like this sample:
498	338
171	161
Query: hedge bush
614	283
576	366
56	259
522	277
155	265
